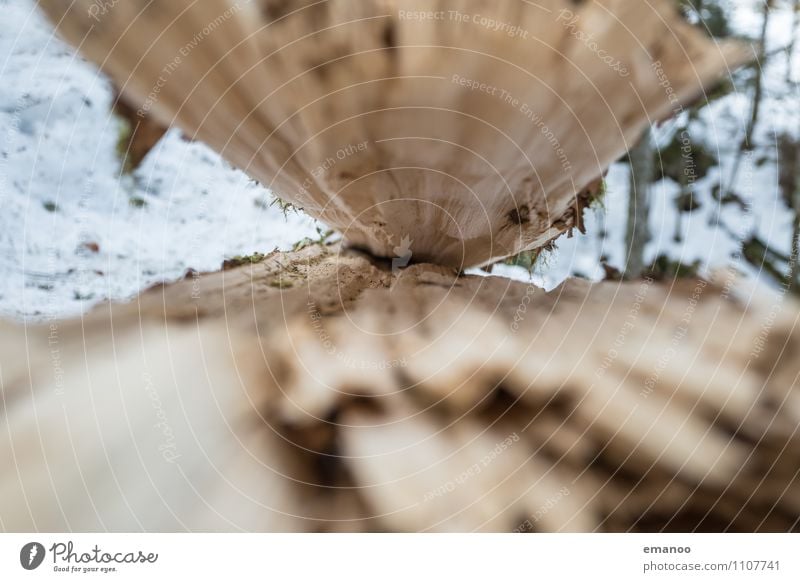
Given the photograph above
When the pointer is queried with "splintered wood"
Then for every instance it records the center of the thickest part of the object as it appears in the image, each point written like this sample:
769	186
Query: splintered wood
470	127
330	390
320	391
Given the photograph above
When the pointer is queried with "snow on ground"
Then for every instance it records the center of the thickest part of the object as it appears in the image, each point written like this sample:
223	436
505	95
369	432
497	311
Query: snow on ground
74	232
62	197
713	234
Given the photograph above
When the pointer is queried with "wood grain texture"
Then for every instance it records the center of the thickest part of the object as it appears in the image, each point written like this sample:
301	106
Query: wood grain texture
472	133
320	391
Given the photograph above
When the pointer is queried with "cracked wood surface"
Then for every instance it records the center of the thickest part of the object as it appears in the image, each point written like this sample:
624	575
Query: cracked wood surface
319	391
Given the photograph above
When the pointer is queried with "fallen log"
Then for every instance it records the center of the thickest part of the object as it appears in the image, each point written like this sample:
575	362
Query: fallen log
373	385
320	391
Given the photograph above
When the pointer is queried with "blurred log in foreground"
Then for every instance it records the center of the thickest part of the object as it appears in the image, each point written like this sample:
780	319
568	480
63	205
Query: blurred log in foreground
320	391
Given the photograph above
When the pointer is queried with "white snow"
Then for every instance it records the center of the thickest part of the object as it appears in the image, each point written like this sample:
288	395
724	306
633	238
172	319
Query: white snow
58	147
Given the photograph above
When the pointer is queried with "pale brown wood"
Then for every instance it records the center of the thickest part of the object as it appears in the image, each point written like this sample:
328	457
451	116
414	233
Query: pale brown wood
318	390
330	390
473	134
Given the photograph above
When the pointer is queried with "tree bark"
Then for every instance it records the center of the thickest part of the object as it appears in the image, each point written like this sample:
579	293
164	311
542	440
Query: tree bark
794	249
755	105
792	43
637	235
759	88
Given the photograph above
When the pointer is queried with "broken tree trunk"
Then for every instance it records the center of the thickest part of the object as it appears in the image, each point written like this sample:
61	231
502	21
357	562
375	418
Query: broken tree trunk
470	128
321	391
332	390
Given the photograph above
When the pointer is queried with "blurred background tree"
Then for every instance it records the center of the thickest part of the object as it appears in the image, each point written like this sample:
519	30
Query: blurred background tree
700	149
719	183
